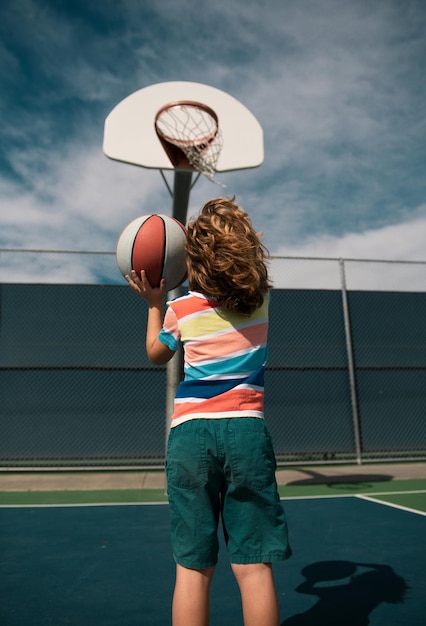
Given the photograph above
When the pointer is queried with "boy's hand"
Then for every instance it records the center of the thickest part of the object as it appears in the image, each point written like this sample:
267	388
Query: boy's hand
141	285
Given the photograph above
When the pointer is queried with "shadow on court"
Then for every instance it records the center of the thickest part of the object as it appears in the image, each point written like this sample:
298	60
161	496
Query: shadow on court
354	480
347	592
354	563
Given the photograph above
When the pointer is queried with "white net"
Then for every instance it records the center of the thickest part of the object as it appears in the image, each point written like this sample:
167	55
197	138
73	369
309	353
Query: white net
194	129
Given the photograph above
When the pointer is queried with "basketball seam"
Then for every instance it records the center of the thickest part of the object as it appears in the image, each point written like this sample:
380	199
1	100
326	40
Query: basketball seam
164	247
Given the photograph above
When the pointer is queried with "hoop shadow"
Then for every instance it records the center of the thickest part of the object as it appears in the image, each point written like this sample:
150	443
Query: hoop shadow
348	481
342	601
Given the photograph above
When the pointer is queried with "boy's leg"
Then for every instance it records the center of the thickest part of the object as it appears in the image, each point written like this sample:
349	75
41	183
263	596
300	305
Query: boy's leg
258	594
191	606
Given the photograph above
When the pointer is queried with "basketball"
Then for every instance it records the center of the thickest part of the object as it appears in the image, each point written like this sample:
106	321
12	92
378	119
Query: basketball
154	243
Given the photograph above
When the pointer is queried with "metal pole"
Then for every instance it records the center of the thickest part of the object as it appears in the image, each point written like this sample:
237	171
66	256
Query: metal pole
181	193
354	400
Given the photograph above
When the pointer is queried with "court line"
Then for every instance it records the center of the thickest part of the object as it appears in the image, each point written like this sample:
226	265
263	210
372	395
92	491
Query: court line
390	493
70	505
284	498
349	495
391	504
319	496
78	504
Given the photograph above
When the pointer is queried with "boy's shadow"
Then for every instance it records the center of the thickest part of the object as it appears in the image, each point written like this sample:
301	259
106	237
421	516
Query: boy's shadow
342	601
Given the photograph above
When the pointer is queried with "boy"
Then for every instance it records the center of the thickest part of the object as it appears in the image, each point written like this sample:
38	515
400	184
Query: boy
220	461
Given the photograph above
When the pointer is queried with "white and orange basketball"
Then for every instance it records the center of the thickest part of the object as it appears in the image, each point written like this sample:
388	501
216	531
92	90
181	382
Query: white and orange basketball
154	243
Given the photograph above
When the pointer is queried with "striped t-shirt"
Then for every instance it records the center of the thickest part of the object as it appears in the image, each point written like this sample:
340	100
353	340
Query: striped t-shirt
225	355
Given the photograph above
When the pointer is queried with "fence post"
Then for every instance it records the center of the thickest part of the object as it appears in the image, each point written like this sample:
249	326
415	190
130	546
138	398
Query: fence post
351	367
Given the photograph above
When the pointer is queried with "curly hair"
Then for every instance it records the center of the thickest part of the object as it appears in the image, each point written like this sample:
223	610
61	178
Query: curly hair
226	259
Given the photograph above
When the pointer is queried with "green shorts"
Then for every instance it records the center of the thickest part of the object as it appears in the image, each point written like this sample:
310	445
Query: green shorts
224	469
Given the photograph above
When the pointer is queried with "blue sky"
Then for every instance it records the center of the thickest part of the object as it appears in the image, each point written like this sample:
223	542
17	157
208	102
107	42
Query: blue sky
338	86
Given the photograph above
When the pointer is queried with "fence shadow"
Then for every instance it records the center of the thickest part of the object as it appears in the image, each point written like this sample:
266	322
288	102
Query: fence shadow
347	592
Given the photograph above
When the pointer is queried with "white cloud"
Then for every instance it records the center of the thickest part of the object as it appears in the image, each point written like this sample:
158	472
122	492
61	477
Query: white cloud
405	241
366	252
75	200
81	201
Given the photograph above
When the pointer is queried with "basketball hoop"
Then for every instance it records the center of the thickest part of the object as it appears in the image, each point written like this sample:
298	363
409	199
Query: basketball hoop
190	135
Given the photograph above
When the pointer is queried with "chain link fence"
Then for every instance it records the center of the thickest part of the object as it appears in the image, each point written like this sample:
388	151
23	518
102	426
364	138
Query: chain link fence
349	358
345	382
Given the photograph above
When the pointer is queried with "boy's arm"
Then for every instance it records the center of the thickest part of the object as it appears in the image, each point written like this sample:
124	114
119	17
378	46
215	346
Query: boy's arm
158	353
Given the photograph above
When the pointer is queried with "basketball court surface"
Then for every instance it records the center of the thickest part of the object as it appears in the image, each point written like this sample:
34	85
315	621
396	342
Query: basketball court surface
90	558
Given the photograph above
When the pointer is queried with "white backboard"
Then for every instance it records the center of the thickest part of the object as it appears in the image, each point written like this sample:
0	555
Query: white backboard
130	135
